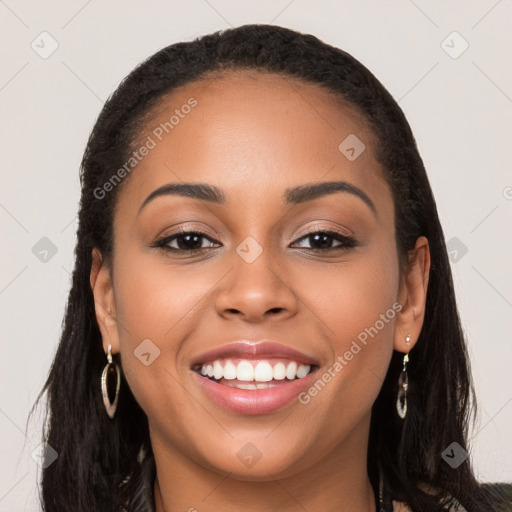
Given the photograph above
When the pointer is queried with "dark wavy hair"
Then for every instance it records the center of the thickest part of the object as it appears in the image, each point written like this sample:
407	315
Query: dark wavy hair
108	465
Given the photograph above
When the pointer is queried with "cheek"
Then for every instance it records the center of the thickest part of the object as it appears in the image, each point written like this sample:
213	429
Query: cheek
155	305
357	304
156	300
350	297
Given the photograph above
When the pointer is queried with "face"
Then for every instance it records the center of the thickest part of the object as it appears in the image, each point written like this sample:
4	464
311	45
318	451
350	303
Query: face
312	273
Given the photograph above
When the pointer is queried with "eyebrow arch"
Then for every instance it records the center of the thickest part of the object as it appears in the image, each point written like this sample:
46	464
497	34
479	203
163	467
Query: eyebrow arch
312	191
293	195
195	190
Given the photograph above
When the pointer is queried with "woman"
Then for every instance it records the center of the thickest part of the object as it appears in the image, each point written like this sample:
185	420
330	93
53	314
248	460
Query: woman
262	314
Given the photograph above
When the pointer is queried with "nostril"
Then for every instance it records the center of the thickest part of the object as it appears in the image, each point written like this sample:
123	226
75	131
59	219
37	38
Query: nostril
275	310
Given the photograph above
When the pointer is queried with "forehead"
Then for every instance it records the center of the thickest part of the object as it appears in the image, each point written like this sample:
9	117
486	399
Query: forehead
251	132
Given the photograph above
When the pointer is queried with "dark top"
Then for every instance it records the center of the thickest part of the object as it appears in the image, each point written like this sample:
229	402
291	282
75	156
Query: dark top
501	491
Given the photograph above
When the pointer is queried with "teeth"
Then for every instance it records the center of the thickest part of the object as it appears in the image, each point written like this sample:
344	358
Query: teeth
291	370
230	371
303	370
245	371
263	372
252	385
279	371
218	371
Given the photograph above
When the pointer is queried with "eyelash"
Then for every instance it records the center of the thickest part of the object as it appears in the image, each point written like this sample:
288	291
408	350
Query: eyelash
347	242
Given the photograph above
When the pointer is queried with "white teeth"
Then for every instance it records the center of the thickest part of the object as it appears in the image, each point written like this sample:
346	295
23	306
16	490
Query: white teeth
218	371
264	385
303	370
279	371
263	372
229	371
291	370
246	386
253	385
245	371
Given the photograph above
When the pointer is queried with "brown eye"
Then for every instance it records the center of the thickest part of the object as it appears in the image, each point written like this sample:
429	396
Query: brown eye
184	241
323	240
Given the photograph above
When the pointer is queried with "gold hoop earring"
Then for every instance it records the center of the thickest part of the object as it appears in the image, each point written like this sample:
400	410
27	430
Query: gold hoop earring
403	384
109	386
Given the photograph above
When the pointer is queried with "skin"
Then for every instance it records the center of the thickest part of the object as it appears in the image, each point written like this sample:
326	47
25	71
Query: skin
254	135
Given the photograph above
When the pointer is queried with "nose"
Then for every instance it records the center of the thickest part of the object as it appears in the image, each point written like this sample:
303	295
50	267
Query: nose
257	291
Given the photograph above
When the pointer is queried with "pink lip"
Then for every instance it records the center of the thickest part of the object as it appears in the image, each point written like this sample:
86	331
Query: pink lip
257	401
253	350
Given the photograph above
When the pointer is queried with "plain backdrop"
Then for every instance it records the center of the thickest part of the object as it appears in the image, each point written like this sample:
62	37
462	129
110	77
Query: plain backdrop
455	89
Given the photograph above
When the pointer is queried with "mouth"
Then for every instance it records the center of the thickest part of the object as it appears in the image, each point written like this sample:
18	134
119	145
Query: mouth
254	385
253	374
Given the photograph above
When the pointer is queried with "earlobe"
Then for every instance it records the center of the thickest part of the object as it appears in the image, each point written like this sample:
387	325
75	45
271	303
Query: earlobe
104	304
413	296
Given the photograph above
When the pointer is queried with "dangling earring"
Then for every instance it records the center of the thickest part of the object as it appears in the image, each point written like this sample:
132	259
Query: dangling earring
403	384
109	386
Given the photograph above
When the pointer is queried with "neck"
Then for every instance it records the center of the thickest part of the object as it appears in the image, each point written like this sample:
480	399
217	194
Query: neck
338	482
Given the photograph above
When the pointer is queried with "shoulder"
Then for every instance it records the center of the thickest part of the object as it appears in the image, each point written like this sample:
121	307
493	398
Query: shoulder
499	493
402	507
500	489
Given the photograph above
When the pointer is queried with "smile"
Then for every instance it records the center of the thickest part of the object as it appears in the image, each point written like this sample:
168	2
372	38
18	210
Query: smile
250	386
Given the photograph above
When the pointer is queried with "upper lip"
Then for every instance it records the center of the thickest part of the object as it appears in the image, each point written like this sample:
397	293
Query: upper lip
254	349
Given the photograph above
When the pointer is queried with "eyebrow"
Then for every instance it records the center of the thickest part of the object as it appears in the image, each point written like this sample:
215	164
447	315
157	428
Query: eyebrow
295	195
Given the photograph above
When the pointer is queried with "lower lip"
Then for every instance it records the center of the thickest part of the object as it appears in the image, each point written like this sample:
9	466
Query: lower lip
257	401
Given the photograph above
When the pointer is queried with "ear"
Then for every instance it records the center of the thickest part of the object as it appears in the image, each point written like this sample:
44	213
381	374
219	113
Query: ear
412	296
104	304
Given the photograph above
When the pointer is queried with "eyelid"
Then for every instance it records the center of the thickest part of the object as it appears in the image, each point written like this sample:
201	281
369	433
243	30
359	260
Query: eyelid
202	230
302	233
320	227
346	241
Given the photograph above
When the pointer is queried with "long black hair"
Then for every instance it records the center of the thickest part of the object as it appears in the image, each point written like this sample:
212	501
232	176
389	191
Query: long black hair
108	465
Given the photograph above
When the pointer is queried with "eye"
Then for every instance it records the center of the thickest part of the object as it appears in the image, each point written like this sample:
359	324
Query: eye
185	241
193	241
323	239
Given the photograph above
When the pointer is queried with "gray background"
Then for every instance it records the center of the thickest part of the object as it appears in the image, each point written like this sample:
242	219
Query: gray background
459	106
